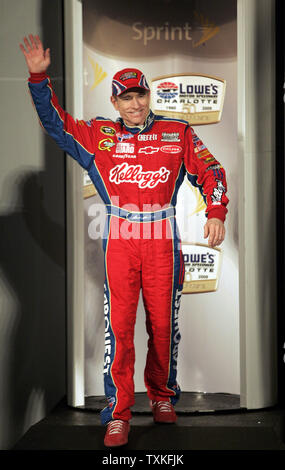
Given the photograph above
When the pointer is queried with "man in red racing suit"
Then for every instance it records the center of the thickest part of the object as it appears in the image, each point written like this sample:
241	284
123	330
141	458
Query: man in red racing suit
137	165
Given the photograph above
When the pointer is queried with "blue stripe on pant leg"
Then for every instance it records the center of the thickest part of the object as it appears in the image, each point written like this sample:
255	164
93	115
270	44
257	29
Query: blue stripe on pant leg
178	277
110	345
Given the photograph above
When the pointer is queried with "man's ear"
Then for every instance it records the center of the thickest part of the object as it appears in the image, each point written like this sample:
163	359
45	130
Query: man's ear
114	102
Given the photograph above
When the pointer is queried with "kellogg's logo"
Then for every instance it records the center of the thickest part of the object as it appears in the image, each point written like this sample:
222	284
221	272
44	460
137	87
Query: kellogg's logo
126	173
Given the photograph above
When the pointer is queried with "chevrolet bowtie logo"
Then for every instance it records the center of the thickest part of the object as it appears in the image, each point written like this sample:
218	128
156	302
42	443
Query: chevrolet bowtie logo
148	150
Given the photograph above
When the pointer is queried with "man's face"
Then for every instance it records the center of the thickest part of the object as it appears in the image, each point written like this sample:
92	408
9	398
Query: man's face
133	106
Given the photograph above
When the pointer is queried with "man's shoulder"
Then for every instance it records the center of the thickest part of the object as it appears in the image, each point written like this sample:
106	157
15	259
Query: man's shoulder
171	126
170	129
173	120
105	119
100	121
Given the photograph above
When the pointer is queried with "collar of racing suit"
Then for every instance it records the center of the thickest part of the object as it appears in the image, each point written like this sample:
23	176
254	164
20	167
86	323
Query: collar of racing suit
139	129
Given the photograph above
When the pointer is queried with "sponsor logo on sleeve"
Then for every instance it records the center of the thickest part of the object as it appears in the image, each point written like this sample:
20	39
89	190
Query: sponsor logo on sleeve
204	153
209	159
218	192
199	148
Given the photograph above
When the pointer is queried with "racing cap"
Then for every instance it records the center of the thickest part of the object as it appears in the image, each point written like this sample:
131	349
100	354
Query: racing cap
126	79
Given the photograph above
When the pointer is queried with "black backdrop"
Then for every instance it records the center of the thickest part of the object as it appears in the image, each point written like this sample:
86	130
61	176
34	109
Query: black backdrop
280	194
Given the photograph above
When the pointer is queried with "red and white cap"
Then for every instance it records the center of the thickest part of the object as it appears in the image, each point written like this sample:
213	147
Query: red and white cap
126	79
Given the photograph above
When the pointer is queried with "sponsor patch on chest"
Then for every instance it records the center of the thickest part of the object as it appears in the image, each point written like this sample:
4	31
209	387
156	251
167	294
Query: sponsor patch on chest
121	136
106	144
170	137
147	137
107	130
126	173
148	150
171	148
125	147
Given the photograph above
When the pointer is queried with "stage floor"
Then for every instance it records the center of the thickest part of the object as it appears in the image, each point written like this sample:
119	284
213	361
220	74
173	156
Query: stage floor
189	402
198	428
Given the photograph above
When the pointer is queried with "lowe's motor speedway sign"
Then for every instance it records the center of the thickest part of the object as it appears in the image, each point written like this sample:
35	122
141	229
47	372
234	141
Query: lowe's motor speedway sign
202	267
197	99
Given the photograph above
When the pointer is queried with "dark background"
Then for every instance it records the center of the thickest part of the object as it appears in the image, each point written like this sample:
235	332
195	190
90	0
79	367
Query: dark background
280	193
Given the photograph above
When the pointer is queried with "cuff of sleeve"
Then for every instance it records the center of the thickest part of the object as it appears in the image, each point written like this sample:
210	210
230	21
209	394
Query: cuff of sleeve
218	213
37	77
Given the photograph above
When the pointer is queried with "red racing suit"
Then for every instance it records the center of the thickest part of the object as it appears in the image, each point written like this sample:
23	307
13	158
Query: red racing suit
137	172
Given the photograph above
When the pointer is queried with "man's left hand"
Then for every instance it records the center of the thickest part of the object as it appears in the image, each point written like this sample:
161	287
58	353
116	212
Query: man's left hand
215	230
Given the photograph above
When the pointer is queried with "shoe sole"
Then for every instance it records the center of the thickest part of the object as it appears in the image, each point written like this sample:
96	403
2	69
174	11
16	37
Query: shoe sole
164	422
115	445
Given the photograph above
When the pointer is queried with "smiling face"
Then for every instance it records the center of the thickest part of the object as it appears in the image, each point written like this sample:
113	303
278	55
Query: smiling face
133	106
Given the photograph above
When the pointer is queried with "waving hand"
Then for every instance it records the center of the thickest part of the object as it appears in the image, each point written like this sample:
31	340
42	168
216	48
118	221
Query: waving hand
36	57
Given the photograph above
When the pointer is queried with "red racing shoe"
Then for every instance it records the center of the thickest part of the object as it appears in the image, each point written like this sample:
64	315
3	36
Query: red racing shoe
117	433
163	412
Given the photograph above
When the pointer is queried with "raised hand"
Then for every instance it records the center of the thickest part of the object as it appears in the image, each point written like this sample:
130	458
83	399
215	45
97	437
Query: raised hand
36	57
